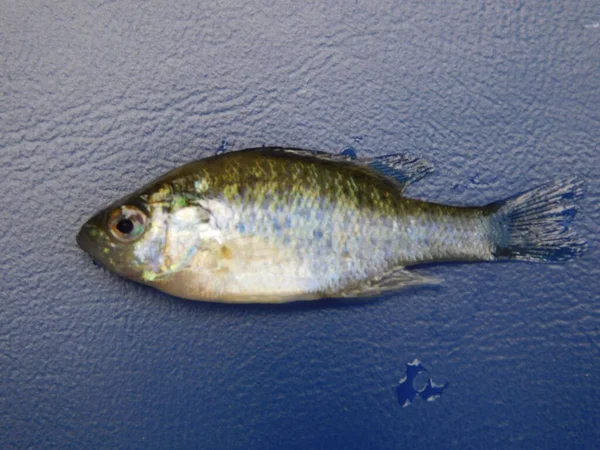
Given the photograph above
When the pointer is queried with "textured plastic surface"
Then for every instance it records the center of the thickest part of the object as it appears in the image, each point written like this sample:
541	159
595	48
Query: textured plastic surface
98	97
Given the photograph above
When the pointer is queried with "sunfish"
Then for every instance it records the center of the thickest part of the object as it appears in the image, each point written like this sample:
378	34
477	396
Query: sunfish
272	225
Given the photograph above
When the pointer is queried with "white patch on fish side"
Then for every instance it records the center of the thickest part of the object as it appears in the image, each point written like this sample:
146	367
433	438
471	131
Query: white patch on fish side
188	228
172	240
149	250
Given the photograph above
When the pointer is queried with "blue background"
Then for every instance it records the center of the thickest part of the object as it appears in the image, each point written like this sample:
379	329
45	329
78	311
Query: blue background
98	97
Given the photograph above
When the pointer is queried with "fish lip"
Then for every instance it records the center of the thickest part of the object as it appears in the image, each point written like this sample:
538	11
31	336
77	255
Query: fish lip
80	237
83	238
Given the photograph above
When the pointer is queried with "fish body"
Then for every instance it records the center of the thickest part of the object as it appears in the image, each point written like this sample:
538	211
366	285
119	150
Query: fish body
276	225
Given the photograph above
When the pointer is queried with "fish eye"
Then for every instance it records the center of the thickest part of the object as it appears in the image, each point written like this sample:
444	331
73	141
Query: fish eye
125	226
127	223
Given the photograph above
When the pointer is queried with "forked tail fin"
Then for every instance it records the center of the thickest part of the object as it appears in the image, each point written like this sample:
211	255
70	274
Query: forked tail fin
534	225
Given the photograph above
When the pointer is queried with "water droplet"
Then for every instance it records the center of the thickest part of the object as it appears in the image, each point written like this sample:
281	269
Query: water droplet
222	148
349	152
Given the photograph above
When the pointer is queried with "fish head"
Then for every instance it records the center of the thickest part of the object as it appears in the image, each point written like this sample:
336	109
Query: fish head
147	238
112	237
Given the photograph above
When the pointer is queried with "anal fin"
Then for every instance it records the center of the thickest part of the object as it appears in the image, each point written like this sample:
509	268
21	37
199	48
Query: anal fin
394	280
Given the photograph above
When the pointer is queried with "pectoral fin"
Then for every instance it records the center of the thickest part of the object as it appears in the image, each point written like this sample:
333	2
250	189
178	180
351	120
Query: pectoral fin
392	281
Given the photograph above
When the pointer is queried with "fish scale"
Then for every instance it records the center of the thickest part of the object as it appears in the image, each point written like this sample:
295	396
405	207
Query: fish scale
359	222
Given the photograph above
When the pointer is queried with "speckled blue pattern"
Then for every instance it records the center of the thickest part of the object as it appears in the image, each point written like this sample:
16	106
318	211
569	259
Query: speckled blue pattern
98	97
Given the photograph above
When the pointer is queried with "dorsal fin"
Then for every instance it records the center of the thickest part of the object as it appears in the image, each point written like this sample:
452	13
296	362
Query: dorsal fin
405	169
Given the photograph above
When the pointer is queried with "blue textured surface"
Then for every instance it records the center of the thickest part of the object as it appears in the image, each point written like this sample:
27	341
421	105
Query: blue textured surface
99	97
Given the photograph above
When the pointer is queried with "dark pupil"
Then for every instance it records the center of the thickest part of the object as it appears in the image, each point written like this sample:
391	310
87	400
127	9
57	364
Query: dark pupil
125	226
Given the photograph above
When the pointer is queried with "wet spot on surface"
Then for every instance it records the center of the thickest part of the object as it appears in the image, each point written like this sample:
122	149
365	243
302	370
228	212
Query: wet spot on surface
349	152
426	388
222	148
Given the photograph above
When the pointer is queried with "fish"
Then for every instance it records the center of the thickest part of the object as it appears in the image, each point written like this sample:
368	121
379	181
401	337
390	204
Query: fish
275	225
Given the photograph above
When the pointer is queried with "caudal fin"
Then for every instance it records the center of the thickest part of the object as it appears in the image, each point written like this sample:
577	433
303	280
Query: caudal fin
534	225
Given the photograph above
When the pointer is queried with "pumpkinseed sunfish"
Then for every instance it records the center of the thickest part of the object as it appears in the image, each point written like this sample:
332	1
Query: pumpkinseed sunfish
270	225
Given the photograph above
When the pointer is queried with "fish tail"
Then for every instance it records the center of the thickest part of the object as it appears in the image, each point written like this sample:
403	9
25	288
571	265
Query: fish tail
534	225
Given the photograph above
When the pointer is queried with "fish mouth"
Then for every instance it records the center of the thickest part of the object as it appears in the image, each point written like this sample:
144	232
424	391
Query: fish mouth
83	238
94	242
90	240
